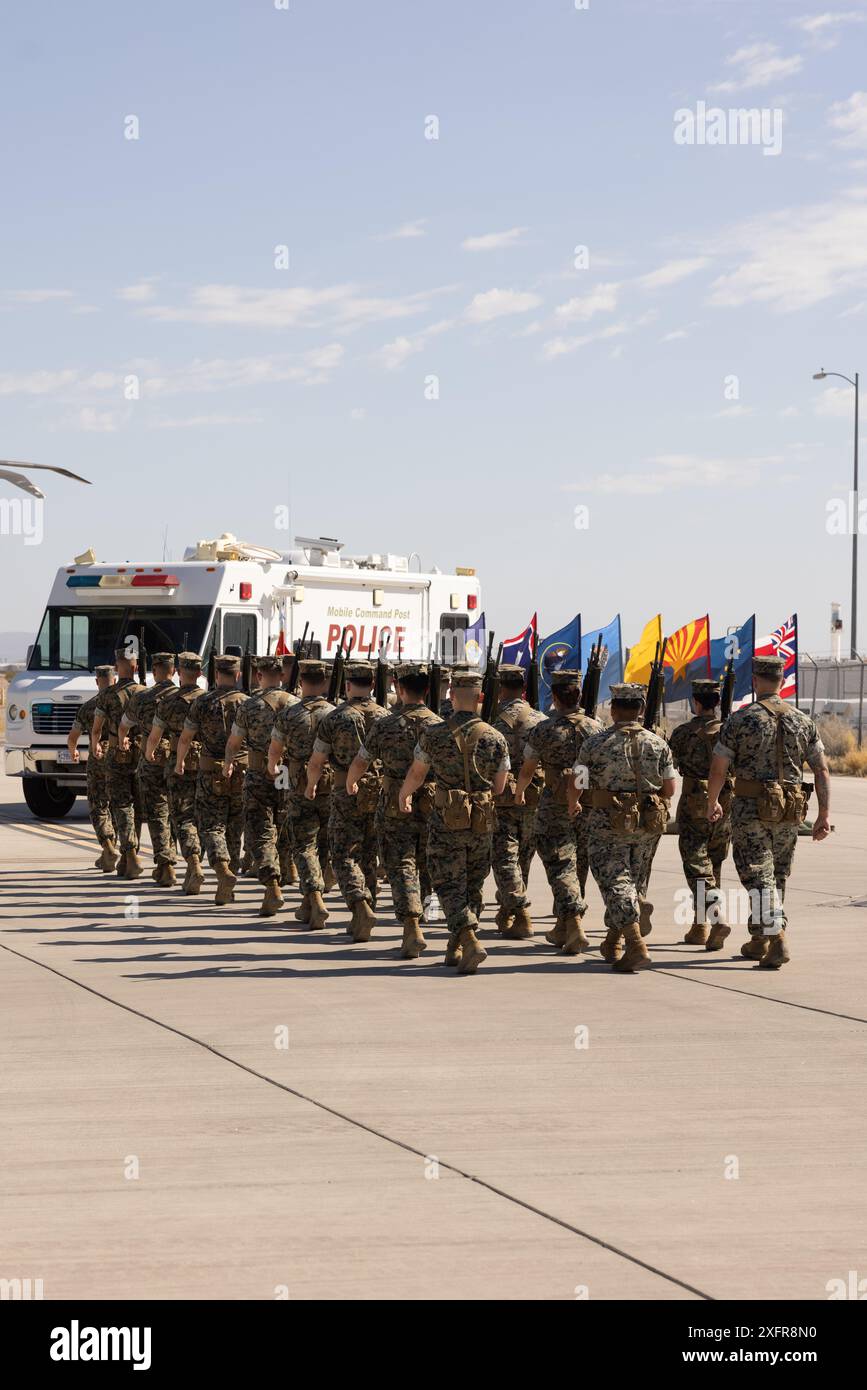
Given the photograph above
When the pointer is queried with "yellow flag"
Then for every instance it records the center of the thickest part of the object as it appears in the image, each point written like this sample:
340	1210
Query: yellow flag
642	654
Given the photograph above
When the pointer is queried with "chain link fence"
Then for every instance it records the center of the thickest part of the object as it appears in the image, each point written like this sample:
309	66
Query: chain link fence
829	686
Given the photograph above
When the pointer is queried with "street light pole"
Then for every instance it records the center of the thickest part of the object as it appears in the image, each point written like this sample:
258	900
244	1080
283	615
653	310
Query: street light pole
820	376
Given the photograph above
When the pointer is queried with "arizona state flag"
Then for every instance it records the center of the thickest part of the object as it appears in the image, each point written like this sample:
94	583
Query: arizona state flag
642	654
687	658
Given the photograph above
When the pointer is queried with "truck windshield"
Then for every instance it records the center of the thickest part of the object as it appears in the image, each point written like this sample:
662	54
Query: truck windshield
77	639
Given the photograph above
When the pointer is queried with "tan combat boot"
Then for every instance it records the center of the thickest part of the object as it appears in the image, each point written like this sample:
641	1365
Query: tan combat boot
557	934
472	951
697	934
645	912
413	942
226	881
302	911
521	928
134	866
575	941
610	947
777	953
755	948
273	899
120	867
503	919
453	950
167	875
110	857
635	955
363	920
718	933
317	911
194	879
328	875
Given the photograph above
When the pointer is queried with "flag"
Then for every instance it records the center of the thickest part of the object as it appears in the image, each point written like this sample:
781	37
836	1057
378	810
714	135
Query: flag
687	657
518	651
783	642
281	649
612	655
738	644
562	648
476	643
642	654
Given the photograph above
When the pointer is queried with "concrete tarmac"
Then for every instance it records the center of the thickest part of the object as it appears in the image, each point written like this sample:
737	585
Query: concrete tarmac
199	1103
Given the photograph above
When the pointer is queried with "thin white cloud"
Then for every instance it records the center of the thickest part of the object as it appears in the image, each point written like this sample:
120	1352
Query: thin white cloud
837	402
826	30
39	296
757	65
406	231
679	472
392	356
671	273
849	119
497	304
495	241
96	421
674	335
343	306
602	299
39	383
139	293
195	422
561	347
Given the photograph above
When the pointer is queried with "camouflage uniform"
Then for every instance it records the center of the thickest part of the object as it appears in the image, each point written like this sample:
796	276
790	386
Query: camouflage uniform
621	856
403	838
263	802
123	789
352	824
561	840
767	742
296	727
703	847
139	714
219	804
97	781
514	839
170	717
459	859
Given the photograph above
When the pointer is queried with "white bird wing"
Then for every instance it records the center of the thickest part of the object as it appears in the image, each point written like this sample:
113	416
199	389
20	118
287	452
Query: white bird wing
45	467
19	480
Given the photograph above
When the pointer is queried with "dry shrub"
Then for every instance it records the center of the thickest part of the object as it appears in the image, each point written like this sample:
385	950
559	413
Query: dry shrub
851	764
837	736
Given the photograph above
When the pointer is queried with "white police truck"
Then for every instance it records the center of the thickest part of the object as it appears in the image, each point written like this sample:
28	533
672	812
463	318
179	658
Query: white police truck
224	594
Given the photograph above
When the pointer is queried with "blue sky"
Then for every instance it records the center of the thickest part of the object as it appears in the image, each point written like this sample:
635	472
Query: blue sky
609	386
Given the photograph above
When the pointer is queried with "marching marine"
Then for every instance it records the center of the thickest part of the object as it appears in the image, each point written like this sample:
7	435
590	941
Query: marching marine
555	744
765	745
403	836
703	845
98	802
469	761
292	738
513	844
352	824
120	762
624	780
219	799
136	724
254	720
161	749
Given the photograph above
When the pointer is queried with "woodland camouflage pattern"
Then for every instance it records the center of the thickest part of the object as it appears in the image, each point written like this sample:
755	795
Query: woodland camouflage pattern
514	839
561	841
295	727
123	787
98	802
763	853
403	839
459	860
170	716
263	803
703	847
621	860
139	715
219	803
351	831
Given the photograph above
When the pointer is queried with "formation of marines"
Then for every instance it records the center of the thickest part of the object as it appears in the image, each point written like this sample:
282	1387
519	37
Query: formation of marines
296	788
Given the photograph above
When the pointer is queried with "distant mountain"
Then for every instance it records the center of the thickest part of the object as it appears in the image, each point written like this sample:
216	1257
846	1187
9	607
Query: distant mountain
13	647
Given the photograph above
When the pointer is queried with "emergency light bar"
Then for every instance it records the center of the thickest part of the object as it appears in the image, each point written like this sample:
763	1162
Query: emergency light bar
122	581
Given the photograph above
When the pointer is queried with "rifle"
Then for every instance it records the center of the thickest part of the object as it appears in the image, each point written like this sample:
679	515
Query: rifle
728	689
337	671
212	669
433	690
380	682
592	678
342	688
533	675
655	688
490	681
247	667
292	678
142	657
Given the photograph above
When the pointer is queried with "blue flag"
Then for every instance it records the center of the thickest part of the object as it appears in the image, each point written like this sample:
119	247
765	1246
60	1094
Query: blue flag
612	655
562	648
740	645
476	643
518	651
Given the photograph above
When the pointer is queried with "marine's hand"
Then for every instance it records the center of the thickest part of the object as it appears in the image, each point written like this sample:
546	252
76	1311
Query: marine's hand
821	828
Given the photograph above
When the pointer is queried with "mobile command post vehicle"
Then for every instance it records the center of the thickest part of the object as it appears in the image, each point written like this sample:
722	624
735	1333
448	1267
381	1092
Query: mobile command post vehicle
224	594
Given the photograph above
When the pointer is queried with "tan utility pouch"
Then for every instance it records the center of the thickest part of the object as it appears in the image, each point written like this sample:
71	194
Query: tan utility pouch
507	798
367	795
481	812
455	806
653	813
626	813
557	782
532	794
121	757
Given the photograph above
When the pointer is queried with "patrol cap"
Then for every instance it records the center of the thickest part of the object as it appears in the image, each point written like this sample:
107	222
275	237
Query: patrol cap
267	663
511	675
359	671
189	661
312	669
705	687
770	666
121	654
565	678
466	675
163	659
228	665
103	670
629	693
412	668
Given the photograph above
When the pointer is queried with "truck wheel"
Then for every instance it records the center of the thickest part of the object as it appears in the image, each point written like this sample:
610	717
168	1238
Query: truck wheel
46	800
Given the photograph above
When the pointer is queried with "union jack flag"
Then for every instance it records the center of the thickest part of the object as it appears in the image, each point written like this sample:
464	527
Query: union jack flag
783	642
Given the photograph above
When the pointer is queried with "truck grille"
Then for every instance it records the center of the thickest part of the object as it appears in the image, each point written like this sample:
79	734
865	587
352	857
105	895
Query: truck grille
53	719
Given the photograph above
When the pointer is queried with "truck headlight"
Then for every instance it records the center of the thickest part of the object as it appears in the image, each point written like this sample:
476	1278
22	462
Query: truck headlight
13	710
